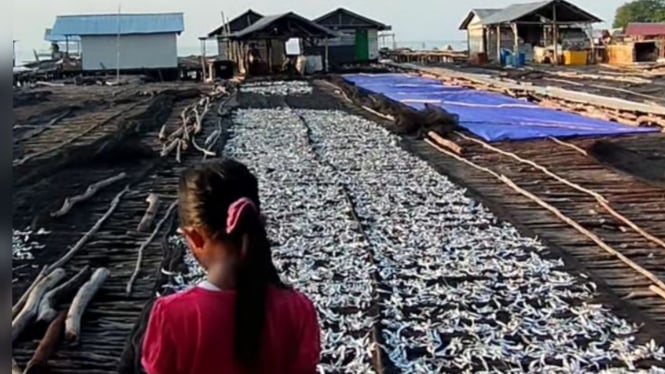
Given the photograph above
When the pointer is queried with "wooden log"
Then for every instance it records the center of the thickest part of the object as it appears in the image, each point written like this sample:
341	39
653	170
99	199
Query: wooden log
657	290
445	143
89	192
15	368
170	147
39	361
139	259
47	307
21	301
150	213
77	247
81	301
29	311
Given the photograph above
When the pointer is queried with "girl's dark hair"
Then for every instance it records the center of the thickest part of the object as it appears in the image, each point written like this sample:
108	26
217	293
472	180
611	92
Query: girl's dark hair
205	193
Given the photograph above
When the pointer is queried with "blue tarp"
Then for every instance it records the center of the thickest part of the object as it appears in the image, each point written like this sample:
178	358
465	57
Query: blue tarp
490	116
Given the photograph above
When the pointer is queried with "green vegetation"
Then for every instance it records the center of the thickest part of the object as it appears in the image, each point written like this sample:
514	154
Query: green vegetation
640	11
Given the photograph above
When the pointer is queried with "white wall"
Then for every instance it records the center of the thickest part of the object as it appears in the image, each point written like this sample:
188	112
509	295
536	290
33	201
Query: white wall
148	51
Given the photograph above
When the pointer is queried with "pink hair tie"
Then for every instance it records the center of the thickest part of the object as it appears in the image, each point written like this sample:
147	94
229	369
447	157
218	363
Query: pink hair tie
236	210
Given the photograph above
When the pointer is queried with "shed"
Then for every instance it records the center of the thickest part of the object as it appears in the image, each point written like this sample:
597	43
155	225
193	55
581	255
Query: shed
136	41
475	30
236	24
532	24
270	34
358	40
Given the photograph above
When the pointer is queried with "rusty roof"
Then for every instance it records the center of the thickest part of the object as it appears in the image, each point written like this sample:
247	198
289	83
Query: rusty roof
645	29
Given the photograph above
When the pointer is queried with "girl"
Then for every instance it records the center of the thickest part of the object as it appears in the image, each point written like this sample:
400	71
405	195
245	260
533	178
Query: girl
242	319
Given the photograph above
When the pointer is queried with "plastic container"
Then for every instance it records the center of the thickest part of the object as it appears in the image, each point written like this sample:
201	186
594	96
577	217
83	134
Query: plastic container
575	57
506	56
521	59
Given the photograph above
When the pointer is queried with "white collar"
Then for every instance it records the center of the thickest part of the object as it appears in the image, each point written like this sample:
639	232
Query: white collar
208	286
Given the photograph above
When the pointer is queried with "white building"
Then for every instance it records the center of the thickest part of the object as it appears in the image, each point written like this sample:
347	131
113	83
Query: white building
136	41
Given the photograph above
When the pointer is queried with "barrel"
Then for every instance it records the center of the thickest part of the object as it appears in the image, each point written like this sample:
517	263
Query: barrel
521	59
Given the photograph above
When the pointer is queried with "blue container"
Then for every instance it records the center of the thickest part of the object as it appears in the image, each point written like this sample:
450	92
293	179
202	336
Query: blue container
521	59
506	56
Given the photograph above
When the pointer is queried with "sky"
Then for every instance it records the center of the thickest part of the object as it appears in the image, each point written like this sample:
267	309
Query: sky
412	20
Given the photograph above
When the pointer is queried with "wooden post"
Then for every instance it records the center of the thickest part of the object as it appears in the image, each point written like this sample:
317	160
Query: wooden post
516	47
498	43
555	35
203	59
592	60
269	54
325	42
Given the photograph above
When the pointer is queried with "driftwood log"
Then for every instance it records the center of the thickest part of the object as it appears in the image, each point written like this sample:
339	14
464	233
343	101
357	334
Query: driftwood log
39	361
77	247
29	311
146	243
15	368
89	192
454	147
150	213
81	301
47	307
21	301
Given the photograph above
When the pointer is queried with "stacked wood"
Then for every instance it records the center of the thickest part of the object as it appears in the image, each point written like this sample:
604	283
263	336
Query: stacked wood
191	125
81	301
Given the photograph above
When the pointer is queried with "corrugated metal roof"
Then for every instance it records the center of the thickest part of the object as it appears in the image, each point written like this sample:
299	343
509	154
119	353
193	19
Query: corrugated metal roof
112	24
268	20
50	37
645	29
480	13
484	13
517	11
514	12
345	12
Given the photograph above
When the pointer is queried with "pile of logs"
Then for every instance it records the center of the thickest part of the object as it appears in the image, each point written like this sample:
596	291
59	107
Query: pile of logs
191	125
44	302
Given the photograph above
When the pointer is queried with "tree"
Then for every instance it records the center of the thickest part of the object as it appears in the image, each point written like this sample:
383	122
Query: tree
640	11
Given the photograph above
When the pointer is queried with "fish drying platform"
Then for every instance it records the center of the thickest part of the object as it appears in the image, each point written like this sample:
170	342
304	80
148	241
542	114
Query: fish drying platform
424	252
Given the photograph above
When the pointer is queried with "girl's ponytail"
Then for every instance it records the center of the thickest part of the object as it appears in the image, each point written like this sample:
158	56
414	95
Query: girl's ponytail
255	273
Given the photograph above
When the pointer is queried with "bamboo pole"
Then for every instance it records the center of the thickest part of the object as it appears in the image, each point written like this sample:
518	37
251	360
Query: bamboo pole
649	275
81	301
569	145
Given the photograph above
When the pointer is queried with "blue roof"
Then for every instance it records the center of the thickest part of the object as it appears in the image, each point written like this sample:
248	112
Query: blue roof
113	24
51	37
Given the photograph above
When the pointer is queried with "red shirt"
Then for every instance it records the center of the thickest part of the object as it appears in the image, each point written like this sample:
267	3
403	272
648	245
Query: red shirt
192	333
